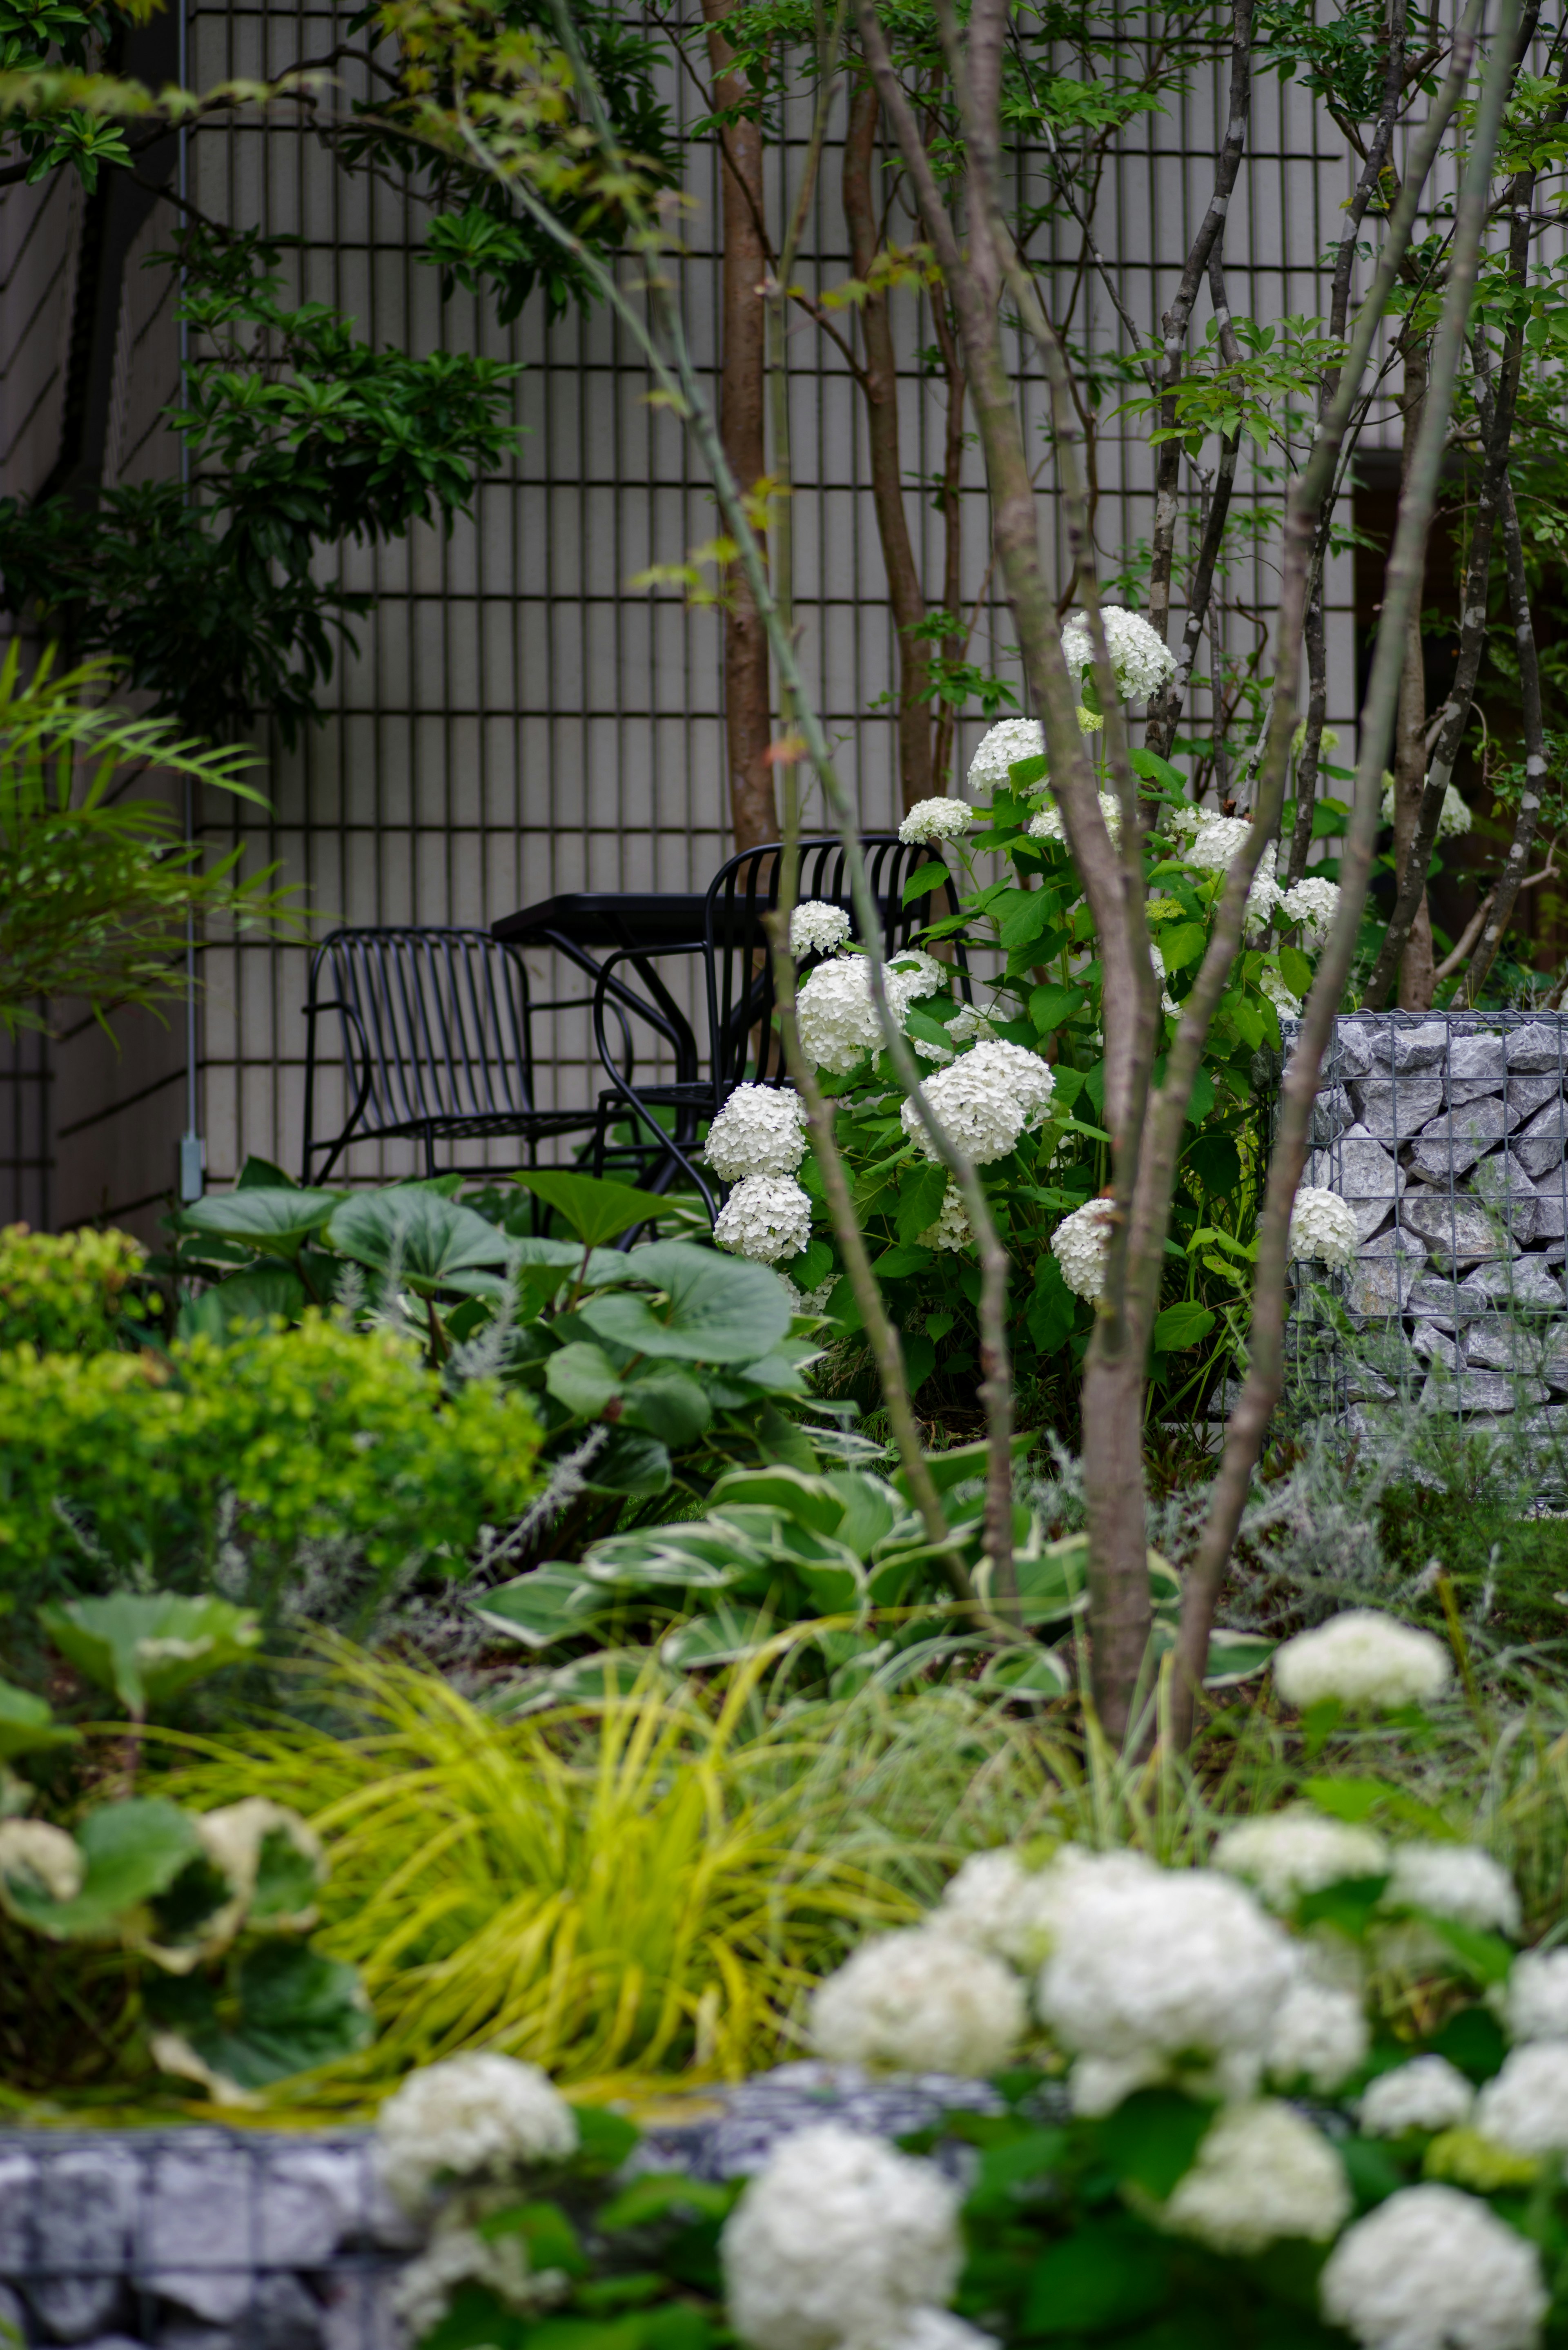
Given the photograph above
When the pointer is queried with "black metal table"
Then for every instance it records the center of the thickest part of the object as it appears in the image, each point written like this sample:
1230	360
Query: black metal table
659	922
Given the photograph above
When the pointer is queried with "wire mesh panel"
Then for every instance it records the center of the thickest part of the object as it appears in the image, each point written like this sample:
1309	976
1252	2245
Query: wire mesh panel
198	2240
1444	1133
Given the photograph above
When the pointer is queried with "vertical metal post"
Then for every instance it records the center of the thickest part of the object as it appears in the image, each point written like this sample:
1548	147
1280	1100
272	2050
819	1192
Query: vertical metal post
193	1149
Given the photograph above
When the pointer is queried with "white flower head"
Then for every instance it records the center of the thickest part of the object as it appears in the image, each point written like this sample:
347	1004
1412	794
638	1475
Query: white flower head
764	1217
919	2001
1525	2106
1310	904
1081	1244
473	2116
760	1131
1287	1853
1455	818
1428	2094
939	2329
1363	1658
1434	2269
998	1904
838	2240
32	1853
1048	823
985	1101
1287	1006
1216	839
1004	745
1141	660
837	1011
936	819
1324	1226
817	927
1535	2003
1167	1963
458	2253
1454	1881
952	1229
1319	2035
1261	2172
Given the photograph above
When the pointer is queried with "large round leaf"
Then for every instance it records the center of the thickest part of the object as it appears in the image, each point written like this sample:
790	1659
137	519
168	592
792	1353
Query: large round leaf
716	1309
433	1243
130	1851
27	1724
277	1221
146	1647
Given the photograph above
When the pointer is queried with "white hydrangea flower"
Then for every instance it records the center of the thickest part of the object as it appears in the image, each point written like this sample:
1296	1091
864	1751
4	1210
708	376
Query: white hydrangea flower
1140	658
817	927
1311	904
1048	823
1080	1245
760	1131
806	1301
838	2240
999	1905
1434	2269
1322	1225
51	1859
837	1011
477	2116
1362	1657
1265	897
458	2254
1319	2035
1454	1881
1167	1003
1170	1963
1261	2172
1535	2001
1525	2106
1289	1853
1216	839
1186	818
1456	816
765	1217
1004	745
1287	1006
939	2329
951	1228
936	819
1428	2094
919	2001
985	1100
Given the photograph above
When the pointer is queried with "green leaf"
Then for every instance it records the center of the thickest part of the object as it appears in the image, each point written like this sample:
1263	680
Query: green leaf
1050	1006
895	1263
1486	1957
920	1195
27	1724
582	1377
1028	916
1216	1161
595	1211
548	1605
814	1502
1015	2164
276	1219
1473	2042
1052	1312
147	1647
632	1463
1236	1657
1202	1099
721	1637
1295	971
1182	1325
433	1243
951	1467
1032	1672
242	1302
1348	1905
131	1851
658	2193
718	1309
669	1405
477	2320
553	2242
1106	2273
1183	943
297	2010
1152	2137
1155	770
604	2140
925	878
261	1175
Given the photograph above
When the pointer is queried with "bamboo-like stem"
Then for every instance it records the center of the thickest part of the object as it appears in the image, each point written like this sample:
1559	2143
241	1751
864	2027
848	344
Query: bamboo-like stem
1263	1382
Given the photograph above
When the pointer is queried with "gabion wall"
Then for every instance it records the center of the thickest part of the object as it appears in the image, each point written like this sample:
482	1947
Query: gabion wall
1445	1134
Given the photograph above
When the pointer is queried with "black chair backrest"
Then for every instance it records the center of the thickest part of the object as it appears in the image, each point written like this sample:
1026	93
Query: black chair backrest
745	1042
435	1024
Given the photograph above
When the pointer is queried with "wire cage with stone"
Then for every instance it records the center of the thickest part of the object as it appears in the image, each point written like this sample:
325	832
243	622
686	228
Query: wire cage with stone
197	2239
1444	1132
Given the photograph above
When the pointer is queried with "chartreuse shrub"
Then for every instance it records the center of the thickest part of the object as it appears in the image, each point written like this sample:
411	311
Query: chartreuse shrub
67	1292
260	1465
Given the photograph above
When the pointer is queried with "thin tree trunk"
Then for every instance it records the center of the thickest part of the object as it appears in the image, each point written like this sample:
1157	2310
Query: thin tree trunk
748	707
1415	964
1506	895
1312	748
905	596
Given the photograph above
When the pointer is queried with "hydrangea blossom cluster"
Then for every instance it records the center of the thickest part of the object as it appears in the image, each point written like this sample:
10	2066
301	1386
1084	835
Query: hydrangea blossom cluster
1536	2004
1002	746
1287	1006
952	1229
765	1217
1080	1245
1261	2172
817	927
1454	820
473	2116
1140	658
922	2000
936	819
1048	825
1319	2035
1310	904
837	1011
1324	1226
839	2240
1525	2106
985	1101
760	1131
459	2251
1363	1658
1433	2269
1428	2094
1456	1880
1285	1855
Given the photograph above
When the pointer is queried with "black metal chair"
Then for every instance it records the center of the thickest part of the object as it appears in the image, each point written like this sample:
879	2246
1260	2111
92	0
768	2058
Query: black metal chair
438	1043
744	1042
